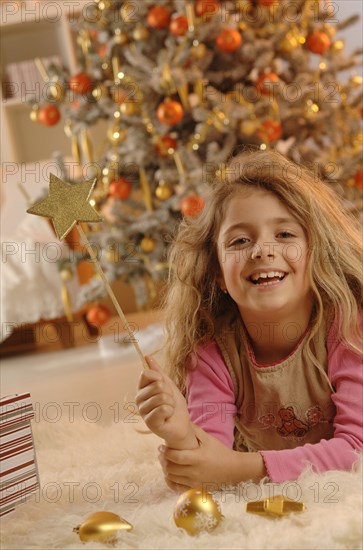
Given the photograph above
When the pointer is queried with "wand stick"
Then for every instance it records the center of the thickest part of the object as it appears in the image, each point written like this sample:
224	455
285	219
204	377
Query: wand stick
110	292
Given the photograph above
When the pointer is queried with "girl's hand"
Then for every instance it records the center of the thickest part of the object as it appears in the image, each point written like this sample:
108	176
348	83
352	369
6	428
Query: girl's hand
164	408
211	465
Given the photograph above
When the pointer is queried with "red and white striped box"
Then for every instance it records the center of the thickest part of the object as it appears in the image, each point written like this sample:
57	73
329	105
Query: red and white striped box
19	475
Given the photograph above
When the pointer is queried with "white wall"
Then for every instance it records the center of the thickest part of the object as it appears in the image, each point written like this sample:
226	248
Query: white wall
353	35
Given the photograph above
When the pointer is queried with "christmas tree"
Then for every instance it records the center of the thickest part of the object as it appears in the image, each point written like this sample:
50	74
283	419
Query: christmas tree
182	85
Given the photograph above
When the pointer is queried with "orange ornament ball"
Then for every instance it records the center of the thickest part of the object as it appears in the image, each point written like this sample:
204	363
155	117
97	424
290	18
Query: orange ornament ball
266	2
318	42
120	94
192	206
179	26
358	178
81	83
207	8
164	144
76	104
170	112
98	315
158	17
120	189
102	50
265	83
229	40
93	33
48	115
270	130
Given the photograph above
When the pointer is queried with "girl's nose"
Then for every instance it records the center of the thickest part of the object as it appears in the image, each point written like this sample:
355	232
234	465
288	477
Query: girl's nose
266	249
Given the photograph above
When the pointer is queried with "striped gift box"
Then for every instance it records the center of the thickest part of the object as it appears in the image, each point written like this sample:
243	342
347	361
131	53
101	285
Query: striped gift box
18	468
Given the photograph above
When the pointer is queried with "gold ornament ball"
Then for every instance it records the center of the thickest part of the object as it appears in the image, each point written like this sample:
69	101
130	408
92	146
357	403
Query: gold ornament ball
356	81
34	114
56	91
311	110
164	192
66	274
199	51
120	37
350	182
196	511
148	244
129	108
99	92
337	46
244	6
102	527
104	4
116	135
112	255
127	12
358	140
249	127
140	33
289	43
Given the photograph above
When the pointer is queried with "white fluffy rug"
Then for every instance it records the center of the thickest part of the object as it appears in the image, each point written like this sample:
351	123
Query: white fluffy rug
87	467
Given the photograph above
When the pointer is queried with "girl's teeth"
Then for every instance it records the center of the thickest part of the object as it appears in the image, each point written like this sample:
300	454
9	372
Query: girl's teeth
269	283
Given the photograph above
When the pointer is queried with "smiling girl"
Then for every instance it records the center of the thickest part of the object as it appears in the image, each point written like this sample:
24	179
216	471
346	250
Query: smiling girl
264	333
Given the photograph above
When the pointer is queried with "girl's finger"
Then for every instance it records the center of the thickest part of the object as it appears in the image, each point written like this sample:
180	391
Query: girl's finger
158	416
149	391
154	402
153	364
176	486
170	468
148	377
184	458
180	480
154	387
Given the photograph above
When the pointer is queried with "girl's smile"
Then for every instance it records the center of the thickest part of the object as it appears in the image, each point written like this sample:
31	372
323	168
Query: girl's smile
264	280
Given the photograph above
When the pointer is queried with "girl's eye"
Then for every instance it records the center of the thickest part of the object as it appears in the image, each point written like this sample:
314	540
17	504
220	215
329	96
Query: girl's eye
241	240
285	234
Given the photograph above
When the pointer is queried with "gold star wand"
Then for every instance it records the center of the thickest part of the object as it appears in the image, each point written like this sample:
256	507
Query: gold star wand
67	204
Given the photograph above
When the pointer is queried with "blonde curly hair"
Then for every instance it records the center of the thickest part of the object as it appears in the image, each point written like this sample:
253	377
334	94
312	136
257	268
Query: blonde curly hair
194	301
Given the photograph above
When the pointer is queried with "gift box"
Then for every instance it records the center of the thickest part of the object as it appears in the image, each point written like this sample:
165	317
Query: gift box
19	475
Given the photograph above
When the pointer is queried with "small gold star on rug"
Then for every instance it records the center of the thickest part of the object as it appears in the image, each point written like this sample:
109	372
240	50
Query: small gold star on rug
276	506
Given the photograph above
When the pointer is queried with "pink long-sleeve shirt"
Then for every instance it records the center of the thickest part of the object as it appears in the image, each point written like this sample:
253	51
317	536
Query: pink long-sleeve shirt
211	404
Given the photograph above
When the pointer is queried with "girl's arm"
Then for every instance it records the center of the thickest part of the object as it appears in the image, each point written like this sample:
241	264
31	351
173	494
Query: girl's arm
212	465
211	385
339	453
165	412
212	409
210	395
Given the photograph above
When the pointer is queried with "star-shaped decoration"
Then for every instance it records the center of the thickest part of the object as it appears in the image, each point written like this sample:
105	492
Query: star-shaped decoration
276	506
66	204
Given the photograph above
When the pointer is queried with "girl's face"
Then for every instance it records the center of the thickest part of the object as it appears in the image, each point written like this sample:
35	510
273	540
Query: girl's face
262	252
